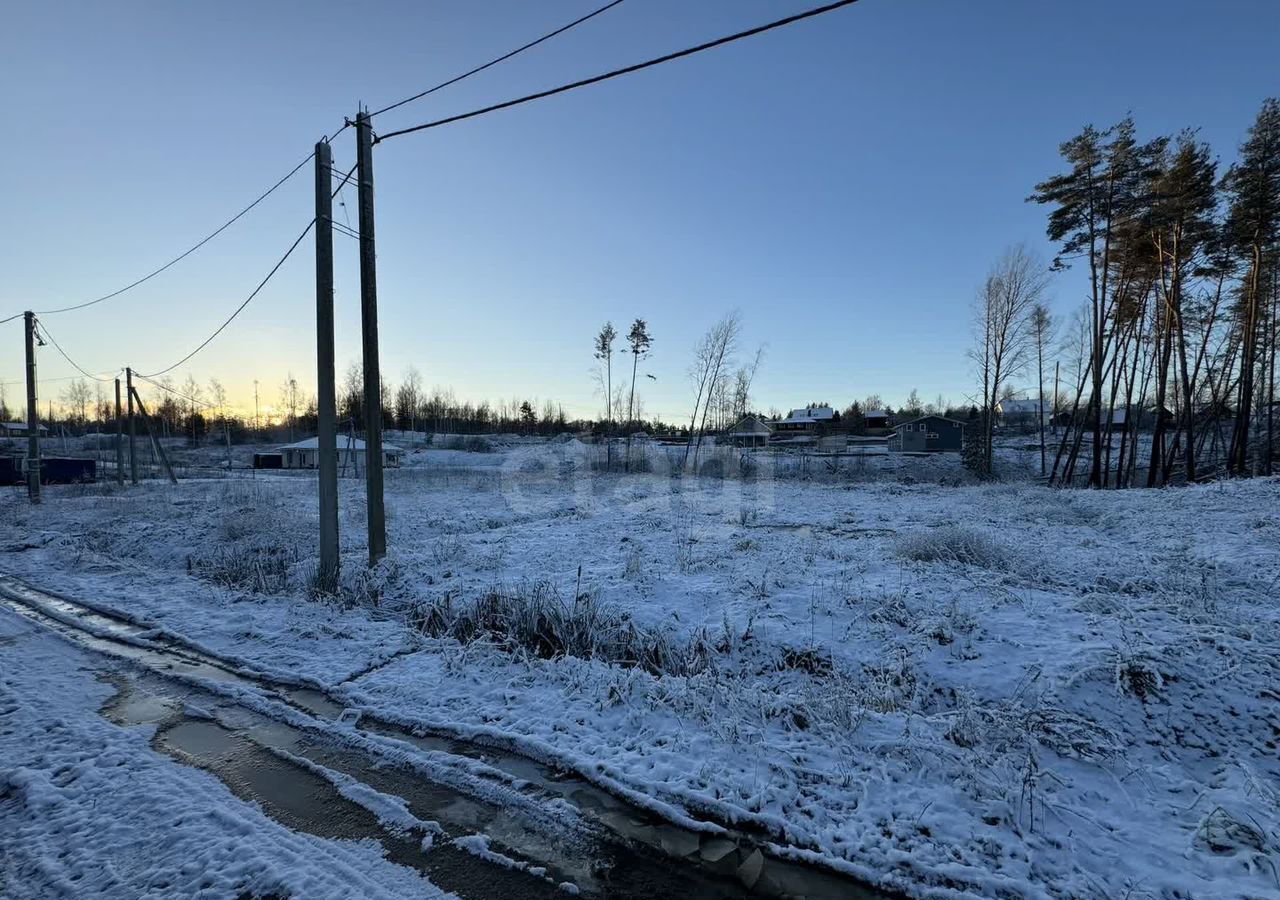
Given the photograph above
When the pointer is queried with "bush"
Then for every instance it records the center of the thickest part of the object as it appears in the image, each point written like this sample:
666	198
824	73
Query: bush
536	619
950	543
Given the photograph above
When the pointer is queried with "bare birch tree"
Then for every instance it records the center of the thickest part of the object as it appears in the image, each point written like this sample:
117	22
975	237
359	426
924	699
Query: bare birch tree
1016	284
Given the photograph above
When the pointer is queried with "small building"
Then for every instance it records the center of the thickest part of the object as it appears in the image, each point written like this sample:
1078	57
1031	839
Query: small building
808	421
876	421
18	430
268	460
1022	413
1139	417
749	431
928	434
306	454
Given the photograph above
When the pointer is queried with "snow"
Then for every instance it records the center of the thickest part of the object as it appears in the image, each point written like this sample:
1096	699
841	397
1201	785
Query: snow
88	809
948	689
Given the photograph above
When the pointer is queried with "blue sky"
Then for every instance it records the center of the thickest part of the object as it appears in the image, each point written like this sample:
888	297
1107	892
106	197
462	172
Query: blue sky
845	183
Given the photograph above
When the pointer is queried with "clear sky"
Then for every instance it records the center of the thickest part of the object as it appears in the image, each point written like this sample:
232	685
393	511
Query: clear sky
845	182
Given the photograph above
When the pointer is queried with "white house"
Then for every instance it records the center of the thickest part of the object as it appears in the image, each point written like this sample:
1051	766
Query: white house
306	454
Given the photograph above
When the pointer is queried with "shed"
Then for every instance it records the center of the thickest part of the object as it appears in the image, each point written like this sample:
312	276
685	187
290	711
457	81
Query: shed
928	434
351	452
876	421
1023	413
749	431
18	429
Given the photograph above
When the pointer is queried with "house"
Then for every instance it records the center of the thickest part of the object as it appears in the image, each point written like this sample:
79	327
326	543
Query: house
18	430
306	454
1139	417
749	431
928	434
1022	413
877	421
808	421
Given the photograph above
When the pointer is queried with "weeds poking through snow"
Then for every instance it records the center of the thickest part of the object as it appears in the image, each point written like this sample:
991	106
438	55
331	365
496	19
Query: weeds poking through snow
535	619
255	569
951	544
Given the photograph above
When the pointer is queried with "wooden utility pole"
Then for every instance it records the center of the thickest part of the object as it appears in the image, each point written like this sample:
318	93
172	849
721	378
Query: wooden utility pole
326	391
119	438
133	427
156	447
369	330
33	412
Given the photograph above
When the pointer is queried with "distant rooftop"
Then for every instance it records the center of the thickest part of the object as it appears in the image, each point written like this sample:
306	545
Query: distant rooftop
344	443
811	414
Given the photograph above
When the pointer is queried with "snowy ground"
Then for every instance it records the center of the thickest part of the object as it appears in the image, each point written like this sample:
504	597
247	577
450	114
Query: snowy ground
88	809
953	690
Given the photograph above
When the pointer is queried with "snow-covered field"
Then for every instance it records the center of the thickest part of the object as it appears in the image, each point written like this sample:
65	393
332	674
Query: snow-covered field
953	690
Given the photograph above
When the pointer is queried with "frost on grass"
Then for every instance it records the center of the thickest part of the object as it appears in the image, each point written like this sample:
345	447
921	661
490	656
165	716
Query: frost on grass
796	652
952	544
535	619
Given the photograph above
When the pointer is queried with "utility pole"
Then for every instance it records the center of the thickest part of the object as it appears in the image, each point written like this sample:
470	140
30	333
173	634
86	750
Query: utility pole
33	412
133	428
326	391
256	425
119	438
157	448
369	331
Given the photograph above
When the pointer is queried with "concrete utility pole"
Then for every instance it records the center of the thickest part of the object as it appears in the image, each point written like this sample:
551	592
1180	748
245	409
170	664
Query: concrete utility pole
133	428
33	412
326	391
156	447
119	438
256	424
369	329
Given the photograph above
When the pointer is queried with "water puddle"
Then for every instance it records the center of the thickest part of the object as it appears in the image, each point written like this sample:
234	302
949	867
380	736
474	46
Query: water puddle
564	829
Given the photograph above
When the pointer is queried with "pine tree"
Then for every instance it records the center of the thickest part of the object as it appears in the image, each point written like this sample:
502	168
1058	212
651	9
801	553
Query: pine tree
1182	228
1092	201
1252	232
638	343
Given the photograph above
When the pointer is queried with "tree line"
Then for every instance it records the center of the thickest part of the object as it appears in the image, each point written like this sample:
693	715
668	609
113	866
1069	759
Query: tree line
1179	324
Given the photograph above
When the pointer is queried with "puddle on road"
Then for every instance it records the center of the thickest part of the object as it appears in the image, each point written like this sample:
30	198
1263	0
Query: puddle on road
236	746
636	854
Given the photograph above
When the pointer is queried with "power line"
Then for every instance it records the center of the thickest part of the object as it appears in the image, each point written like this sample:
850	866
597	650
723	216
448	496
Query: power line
44	380
493	62
44	332
345	229
760	29
165	387
346	179
177	259
239	308
261	285
292	172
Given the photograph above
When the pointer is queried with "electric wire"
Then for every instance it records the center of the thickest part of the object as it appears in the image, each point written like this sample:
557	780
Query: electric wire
179	394
626	70
177	259
347	124
493	62
239	309
43	331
